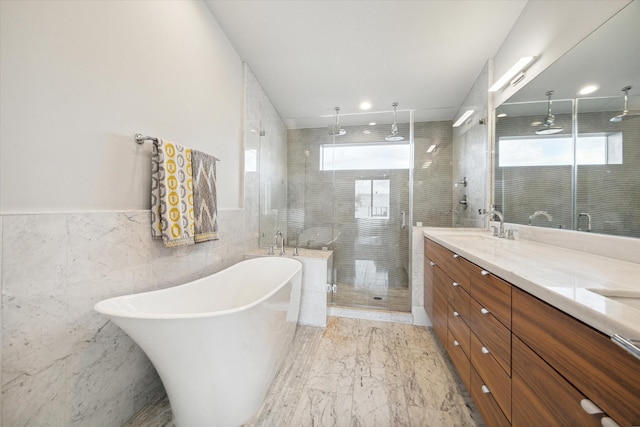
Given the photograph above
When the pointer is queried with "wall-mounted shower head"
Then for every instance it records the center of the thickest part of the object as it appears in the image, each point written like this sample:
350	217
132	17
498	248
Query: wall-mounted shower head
336	130
626	115
549	119
394	127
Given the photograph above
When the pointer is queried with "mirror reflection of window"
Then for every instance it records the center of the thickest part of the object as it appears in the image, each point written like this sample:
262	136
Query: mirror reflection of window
372	198
591	149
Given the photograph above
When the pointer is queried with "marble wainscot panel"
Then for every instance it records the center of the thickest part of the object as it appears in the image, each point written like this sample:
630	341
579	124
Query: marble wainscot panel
63	363
316	270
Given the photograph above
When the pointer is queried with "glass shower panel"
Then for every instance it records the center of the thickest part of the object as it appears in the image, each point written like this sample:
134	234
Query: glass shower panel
268	143
350	193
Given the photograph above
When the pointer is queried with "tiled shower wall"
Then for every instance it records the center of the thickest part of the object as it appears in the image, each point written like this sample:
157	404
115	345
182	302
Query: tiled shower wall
62	363
311	191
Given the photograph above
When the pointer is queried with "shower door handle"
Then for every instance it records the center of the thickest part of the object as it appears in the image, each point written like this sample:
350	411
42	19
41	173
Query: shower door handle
404	222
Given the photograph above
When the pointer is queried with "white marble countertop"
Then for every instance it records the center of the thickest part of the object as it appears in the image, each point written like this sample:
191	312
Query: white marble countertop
562	277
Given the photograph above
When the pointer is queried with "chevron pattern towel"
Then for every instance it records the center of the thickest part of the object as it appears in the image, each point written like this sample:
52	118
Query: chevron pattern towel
204	192
172	215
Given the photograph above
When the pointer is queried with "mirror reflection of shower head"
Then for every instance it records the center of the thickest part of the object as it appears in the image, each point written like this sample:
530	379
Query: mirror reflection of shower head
394	127
336	130
626	115
549	128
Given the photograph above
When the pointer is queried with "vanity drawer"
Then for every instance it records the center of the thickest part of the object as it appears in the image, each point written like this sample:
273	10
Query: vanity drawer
460	359
493	335
459	329
459	299
541	396
440	305
483	398
605	373
493	293
495	378
454	265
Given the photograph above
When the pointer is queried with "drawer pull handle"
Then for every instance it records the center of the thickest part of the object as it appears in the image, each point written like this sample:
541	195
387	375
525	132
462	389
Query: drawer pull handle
456	255
608	422
485	273
485	350
455	313
589	407
433	264
484	311
456	343
485	389
455	284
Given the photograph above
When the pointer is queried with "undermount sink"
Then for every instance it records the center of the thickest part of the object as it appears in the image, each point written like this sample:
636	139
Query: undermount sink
630	297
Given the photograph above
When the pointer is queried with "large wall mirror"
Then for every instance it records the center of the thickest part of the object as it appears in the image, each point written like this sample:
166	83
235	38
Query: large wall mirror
560	159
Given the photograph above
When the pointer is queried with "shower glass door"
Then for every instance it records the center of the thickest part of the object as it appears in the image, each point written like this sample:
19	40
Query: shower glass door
350	193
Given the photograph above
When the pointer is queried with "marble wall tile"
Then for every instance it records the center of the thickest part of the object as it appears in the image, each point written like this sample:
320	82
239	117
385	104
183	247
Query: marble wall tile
471	149
63	363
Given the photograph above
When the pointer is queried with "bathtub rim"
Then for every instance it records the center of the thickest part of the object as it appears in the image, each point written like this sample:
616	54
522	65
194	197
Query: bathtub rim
120	313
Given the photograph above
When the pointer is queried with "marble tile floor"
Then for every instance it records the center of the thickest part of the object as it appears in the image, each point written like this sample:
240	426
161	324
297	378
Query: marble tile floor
357	373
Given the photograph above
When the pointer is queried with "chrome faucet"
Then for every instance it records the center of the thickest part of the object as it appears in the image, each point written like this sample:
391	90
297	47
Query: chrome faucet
500	217
540	213
275	242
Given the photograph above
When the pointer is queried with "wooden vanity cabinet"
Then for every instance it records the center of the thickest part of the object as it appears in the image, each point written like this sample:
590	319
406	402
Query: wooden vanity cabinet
526	363
605	373
473	334
541	396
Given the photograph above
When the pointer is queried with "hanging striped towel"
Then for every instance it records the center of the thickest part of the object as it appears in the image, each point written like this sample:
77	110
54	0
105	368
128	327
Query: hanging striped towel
172	216
204	196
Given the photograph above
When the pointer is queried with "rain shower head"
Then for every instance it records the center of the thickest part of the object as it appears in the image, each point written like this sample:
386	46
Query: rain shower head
549	128
626	115
336	130
394	127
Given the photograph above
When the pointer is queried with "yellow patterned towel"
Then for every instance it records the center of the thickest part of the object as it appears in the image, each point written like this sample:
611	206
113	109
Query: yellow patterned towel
172	217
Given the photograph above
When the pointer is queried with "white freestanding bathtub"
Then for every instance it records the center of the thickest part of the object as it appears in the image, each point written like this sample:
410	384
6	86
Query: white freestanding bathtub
217	342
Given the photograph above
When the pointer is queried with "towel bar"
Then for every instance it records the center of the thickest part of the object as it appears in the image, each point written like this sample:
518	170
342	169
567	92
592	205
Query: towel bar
141	139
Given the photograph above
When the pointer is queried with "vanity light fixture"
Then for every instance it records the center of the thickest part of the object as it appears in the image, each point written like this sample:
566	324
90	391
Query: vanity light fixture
463	118
588	89
518	67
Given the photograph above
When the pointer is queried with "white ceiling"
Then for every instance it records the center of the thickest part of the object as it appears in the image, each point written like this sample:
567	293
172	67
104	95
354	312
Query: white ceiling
313	55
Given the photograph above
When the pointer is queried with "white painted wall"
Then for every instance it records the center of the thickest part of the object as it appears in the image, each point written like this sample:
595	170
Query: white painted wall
79	78
548	29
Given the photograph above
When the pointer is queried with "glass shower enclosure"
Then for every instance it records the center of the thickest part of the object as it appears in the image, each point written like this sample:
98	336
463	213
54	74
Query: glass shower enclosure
349	191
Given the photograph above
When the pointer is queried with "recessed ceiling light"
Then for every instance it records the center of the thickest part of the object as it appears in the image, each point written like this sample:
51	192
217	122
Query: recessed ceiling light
366	131
365	105
372	124
588	89
502	115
